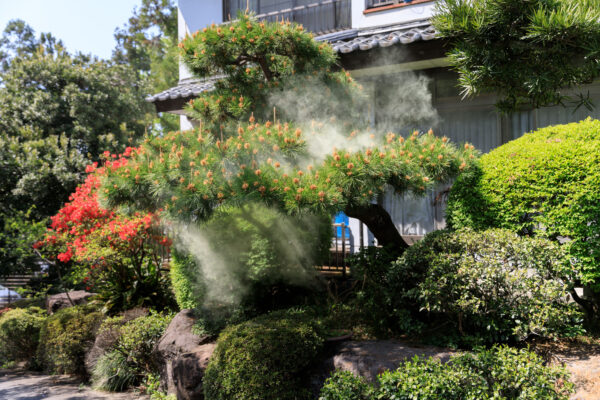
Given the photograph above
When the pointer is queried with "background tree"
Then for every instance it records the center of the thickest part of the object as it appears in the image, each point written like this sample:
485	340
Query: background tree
527	51
58	112
148	44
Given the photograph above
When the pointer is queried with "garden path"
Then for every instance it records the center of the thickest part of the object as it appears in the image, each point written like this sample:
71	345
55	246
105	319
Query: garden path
18	385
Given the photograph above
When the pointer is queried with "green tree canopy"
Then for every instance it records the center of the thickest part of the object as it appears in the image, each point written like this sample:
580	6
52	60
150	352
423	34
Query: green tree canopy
58	112
526	51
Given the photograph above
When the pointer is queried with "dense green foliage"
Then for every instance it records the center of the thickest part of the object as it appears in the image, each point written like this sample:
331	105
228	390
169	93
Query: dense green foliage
129	360
19	334
264	358
545	184
493	285
65	337
186	280
19	230
526	51
485	287
497	373
148	44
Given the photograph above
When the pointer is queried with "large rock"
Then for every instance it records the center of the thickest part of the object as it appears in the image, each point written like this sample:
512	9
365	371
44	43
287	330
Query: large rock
59	301
372	357
108	336
188	371
179	340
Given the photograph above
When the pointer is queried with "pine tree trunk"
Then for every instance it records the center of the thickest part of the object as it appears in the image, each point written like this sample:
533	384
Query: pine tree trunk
380	224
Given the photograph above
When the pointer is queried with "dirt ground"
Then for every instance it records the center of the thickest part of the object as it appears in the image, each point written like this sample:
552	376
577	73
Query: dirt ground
21	385
582	359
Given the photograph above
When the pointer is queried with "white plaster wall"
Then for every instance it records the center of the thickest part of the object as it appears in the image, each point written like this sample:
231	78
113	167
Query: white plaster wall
394	16
193	15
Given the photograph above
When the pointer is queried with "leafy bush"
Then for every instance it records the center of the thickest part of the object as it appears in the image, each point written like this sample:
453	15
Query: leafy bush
130	360
264	358
20	333
382	295
66	336
498	373
344	385
545	184
493	284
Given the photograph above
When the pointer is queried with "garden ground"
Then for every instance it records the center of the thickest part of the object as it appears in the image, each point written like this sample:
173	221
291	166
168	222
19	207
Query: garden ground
581	359
26	385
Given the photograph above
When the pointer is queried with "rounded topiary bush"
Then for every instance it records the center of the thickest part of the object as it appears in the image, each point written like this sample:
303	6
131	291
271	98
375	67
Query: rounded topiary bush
546	183
265	358
20	333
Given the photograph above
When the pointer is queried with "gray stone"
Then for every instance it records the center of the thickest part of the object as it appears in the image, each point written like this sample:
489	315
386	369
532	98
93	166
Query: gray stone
188	371
108	336
59	301
177	340
372	357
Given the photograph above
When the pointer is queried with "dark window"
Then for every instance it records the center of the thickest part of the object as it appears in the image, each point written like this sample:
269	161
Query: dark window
318	16
381	3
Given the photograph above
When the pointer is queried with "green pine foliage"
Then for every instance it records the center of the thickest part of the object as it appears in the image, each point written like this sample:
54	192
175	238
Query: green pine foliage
254	60
190	173
526	51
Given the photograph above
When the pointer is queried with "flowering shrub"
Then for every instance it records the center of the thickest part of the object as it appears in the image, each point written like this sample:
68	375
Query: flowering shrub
117	256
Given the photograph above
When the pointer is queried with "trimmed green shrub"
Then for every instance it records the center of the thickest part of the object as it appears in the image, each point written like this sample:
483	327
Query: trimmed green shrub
251	259
545	183
264	358
130	359
498	373
493	285
186	279
66	336
20	333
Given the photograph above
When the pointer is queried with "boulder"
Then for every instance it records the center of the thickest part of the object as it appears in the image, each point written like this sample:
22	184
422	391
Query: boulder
108	336
188	371
59	301
372	357
178	340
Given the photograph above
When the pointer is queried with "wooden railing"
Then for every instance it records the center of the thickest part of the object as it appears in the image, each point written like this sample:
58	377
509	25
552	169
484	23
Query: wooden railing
338	253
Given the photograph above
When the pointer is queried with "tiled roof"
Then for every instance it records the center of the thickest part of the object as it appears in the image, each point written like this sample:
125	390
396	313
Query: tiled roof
385	37
342	42
187	89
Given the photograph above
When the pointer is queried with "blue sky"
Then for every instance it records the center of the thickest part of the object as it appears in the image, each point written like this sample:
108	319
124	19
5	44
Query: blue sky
82	25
